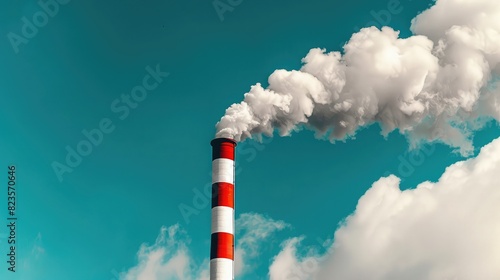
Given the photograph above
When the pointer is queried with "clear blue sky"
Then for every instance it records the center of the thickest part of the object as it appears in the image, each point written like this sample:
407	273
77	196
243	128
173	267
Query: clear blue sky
65	78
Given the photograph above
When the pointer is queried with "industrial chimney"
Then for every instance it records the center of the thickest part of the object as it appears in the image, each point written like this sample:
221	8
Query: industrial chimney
222	240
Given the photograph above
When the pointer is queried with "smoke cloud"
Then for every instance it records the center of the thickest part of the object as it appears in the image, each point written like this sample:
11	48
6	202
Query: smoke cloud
439	84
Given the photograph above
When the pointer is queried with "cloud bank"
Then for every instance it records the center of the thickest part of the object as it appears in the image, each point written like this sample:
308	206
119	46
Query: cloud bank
438	85
447	230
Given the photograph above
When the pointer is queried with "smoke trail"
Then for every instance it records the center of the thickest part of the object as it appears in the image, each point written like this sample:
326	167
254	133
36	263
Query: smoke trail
438	84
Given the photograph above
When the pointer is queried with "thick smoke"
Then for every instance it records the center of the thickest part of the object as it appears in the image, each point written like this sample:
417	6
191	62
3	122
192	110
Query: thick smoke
439	84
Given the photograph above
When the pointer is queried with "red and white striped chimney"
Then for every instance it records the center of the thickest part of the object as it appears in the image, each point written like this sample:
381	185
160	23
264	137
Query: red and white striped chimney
222	241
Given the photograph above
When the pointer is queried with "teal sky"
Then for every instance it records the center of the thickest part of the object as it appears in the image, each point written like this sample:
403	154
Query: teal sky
64	80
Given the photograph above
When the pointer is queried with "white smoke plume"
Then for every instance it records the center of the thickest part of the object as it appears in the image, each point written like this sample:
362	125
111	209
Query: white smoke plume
439	84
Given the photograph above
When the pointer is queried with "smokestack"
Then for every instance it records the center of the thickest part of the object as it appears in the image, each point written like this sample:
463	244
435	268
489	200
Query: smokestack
222	240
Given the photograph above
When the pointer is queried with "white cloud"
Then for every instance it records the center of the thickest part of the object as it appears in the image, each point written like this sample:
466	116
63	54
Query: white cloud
447	230
252	231
286	265
169	258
